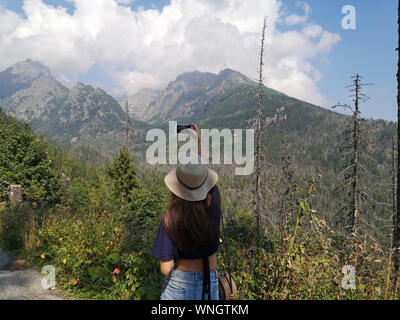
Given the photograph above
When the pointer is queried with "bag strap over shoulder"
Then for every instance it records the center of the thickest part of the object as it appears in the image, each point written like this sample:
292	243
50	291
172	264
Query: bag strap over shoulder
206	276
228	264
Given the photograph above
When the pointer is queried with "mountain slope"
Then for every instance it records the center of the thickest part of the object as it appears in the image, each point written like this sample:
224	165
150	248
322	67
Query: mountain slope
229	100
139	102
192	92
81	115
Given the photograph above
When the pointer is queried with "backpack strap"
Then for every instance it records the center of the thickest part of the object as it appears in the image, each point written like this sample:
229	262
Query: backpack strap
206	276
228	264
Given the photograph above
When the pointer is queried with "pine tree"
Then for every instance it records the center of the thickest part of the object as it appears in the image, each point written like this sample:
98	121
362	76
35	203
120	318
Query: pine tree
123	173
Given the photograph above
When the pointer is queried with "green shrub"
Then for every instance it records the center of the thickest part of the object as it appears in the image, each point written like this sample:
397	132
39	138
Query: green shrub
24	160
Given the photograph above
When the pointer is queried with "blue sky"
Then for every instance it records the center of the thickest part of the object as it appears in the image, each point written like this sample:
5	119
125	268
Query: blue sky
16	5
368	50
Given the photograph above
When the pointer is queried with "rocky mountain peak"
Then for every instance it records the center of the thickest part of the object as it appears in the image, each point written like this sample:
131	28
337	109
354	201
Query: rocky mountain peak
80	86
24	75
80	89
29	92
29	69
233	76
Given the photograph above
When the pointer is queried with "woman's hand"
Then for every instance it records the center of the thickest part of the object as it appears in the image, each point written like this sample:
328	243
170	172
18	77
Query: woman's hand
196	128
200	151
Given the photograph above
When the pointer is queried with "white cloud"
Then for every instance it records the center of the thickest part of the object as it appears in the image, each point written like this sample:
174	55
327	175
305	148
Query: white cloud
149	48
125	2
296	19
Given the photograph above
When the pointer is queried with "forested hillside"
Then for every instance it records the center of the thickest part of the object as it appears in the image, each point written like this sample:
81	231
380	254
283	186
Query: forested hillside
98	229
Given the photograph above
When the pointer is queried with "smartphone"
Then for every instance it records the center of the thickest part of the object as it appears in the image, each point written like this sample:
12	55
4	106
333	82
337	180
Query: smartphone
181	127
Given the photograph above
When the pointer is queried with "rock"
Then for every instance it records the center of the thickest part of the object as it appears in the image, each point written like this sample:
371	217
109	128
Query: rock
5	260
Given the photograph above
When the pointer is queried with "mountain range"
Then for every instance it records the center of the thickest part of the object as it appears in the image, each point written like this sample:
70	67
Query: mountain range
308	134
80	115
84	115
191	94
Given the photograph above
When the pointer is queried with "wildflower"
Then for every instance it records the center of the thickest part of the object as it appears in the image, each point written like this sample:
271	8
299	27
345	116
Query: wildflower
116	271
42	256
38	242
64	261
140	253
73	282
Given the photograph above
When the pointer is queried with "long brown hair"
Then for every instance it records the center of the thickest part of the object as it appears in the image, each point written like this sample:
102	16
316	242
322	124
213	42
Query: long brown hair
188	223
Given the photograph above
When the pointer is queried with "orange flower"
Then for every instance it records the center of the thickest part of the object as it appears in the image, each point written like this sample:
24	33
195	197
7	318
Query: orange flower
42	256
116	271
38	242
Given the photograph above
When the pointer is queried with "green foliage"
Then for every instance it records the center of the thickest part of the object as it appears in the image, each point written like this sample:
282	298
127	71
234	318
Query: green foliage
78	196
24	160
87	237
123	173
14	226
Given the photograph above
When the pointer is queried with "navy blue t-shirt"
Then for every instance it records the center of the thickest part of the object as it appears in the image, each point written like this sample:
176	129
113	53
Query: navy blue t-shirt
165	249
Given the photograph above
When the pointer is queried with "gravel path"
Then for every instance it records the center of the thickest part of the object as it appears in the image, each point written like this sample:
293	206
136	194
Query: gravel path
25	284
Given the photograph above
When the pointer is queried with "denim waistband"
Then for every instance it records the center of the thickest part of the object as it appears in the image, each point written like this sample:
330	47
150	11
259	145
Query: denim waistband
194	276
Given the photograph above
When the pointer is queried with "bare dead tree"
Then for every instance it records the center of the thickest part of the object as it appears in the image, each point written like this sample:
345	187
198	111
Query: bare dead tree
128	125
396	230
393	185
355	136
259	133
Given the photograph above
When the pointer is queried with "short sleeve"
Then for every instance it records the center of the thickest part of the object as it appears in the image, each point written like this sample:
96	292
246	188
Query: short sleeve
164	248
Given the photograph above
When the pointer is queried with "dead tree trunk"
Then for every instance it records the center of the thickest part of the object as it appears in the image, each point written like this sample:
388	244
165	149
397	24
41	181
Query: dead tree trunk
259	132
15	195
393	187
356	139
396	231
352	173
127	124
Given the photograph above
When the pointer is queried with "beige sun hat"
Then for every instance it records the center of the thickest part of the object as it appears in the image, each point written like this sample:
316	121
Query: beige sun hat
191	181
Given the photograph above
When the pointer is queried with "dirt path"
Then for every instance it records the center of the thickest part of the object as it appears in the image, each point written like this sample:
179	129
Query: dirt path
20	282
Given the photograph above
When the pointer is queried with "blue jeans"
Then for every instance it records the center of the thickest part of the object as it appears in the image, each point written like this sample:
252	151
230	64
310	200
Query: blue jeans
181	285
